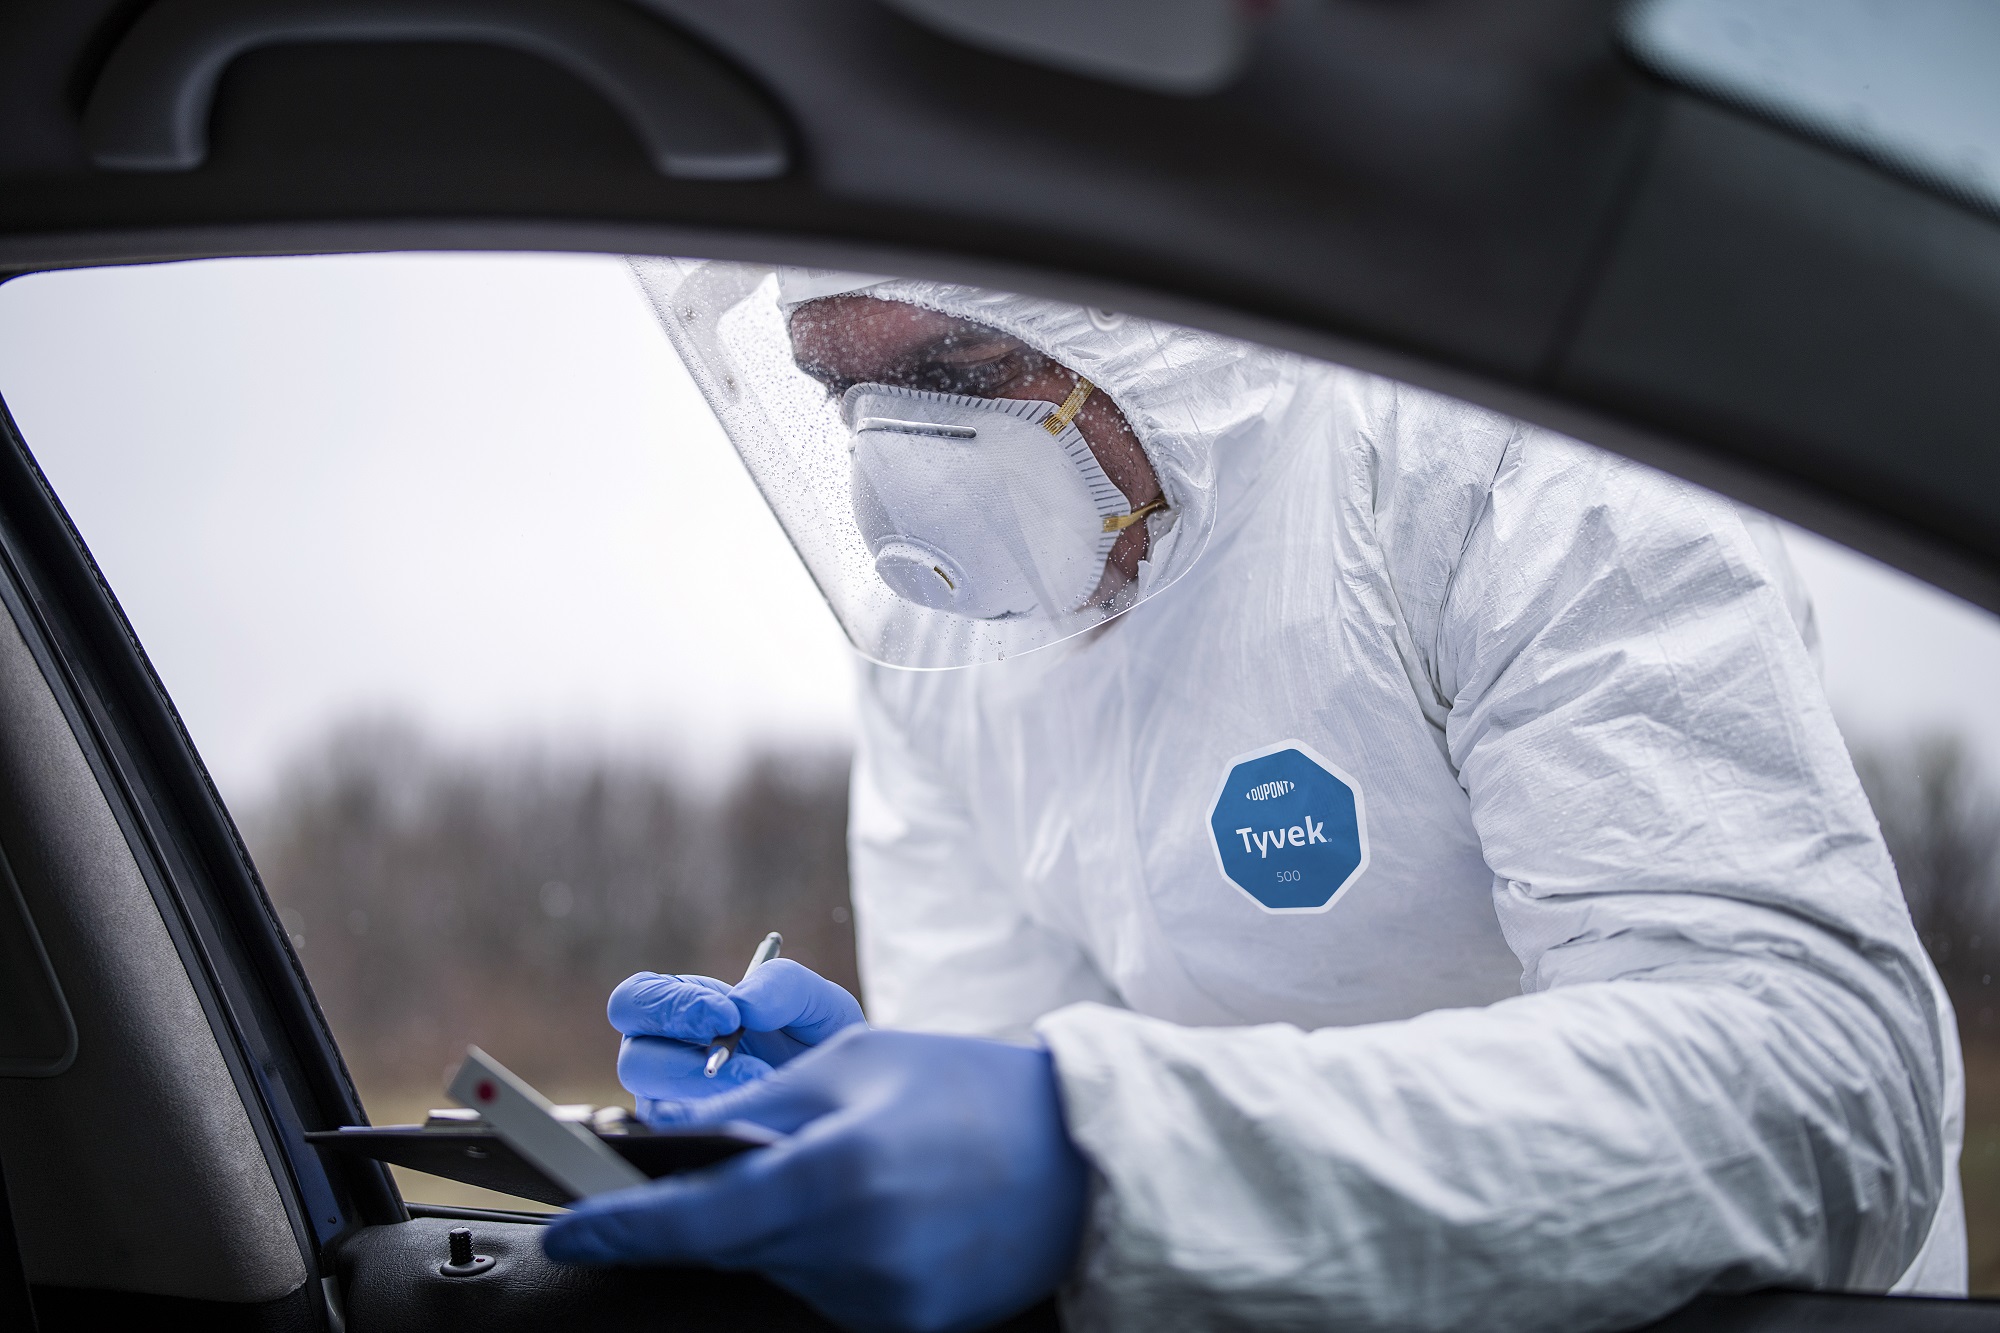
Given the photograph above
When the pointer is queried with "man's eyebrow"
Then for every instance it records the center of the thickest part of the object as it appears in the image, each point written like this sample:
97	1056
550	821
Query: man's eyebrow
954	339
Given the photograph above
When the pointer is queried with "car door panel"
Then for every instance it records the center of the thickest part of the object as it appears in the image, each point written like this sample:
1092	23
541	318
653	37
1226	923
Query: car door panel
180	1199
1439	192
393	1283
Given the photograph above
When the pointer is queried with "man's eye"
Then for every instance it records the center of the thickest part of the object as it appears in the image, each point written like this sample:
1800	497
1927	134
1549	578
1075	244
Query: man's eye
978	379
970	372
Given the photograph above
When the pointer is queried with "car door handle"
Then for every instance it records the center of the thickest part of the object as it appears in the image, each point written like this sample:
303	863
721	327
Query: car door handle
698	119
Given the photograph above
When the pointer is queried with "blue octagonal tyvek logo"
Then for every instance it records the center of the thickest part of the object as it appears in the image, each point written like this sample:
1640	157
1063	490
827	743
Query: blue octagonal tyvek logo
1289	828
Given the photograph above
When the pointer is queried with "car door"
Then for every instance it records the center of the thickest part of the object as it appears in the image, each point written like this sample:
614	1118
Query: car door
1568	210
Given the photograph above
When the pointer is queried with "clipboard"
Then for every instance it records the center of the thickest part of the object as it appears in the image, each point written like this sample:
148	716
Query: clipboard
570	1151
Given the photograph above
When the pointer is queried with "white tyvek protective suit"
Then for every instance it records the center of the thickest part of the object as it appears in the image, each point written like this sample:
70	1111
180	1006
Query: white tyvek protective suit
1598	768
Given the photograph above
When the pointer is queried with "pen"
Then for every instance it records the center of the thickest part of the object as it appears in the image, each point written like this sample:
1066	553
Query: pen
718	1054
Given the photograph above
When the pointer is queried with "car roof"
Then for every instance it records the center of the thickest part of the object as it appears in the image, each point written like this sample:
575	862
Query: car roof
1493	198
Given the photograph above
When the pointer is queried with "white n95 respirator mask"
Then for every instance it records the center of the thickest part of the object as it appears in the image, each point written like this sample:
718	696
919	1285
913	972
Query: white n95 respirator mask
987	508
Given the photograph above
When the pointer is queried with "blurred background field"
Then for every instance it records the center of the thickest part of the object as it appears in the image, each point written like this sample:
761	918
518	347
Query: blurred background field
441	897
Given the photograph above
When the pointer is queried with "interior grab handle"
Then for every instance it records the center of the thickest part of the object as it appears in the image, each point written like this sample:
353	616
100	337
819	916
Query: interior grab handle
698	119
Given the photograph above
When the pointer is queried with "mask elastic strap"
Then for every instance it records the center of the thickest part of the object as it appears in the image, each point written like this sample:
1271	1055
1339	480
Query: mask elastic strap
1120	522
1056	422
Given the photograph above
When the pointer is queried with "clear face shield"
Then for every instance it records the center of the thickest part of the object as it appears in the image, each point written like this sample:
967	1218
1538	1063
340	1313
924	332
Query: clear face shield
967	475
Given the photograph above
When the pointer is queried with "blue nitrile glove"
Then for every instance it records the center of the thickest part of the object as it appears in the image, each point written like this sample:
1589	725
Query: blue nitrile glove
670	1022
927	1182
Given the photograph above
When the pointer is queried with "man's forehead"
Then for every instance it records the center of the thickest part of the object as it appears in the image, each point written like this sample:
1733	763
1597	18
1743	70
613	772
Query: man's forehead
855	328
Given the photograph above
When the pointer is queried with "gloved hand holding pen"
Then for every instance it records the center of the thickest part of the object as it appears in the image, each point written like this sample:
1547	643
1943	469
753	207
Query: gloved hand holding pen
669	1023
924	1182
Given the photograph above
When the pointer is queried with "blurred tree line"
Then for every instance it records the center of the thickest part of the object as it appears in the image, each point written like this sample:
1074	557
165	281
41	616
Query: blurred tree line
441	897
1941	820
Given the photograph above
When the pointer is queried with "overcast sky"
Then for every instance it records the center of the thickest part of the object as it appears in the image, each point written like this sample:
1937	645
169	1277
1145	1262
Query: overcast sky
480	491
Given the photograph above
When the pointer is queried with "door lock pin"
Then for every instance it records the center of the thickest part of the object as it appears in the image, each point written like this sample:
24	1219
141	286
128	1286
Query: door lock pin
464	1263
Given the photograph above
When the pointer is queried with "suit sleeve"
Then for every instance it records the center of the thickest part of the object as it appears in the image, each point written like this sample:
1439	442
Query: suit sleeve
944	945
1727	1067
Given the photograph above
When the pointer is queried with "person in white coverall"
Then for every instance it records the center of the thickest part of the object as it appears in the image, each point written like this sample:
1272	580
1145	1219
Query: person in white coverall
1586	985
